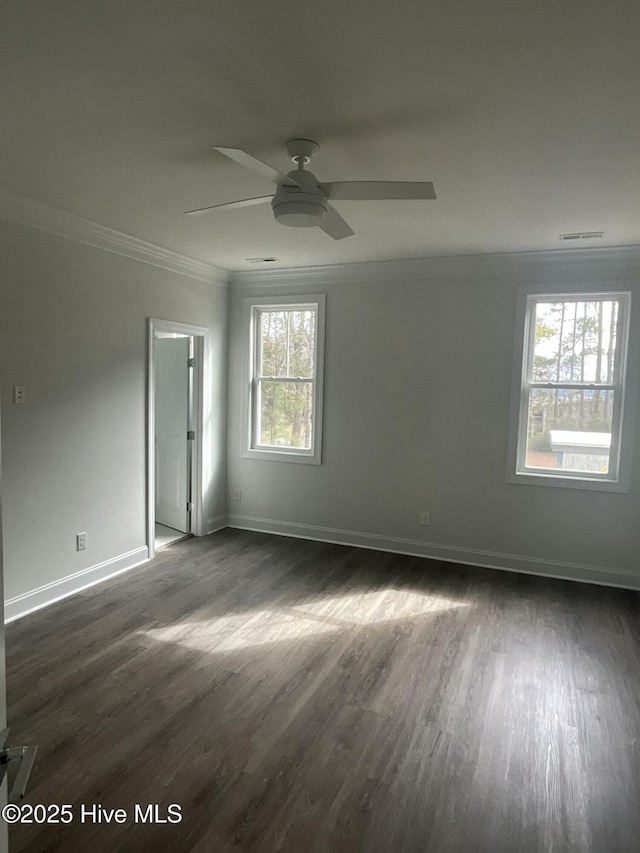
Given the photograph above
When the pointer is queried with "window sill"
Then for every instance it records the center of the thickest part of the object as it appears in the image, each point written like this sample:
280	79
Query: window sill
282	456
568	482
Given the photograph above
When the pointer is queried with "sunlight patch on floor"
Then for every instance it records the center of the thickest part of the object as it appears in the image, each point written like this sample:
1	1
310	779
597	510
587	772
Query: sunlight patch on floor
330	615
384	605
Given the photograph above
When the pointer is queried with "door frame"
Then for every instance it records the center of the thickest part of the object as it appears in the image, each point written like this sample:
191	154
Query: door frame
201	407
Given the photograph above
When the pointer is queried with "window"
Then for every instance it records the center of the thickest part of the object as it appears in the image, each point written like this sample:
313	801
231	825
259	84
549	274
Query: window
285	395
570	389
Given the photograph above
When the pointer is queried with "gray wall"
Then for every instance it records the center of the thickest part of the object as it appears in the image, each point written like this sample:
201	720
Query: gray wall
74	333
417	386
416	410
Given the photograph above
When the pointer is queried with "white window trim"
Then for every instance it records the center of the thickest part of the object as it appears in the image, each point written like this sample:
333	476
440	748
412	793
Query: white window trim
285	454
619	479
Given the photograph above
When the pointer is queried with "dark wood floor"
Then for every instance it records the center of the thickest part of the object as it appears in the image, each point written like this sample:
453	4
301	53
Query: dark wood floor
301	696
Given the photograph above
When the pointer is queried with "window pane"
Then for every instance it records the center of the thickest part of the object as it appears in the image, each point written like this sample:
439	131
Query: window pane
286	414
287	343
569	429
273	343
575	341
302	343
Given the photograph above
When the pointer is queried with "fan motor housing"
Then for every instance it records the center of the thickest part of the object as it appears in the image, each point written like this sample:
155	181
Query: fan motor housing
299	209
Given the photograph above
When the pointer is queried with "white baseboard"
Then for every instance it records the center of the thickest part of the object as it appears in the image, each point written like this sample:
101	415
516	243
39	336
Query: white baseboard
36	599
43	596
215	524
446	553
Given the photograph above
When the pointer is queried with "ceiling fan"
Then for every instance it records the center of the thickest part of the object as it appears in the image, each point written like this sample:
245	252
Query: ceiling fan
301	201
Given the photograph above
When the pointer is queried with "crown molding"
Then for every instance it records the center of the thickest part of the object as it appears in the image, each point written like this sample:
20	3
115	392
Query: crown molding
36	214
616	262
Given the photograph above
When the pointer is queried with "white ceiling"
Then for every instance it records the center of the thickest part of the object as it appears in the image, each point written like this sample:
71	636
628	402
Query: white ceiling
526	116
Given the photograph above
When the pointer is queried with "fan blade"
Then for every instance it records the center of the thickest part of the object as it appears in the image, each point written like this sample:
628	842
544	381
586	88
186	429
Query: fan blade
245	202
250	162
334	225
378	190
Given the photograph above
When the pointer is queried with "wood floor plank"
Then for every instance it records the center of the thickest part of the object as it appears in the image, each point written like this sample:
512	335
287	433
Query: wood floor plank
302	696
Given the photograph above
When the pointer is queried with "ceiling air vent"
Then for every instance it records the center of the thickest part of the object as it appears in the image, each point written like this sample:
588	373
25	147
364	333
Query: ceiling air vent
262	260
582	235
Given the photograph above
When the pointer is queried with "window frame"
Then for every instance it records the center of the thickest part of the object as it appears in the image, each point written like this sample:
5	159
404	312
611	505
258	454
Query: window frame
618	478
252	308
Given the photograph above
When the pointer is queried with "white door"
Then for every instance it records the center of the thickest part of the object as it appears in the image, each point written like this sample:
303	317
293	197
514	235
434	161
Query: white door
171	425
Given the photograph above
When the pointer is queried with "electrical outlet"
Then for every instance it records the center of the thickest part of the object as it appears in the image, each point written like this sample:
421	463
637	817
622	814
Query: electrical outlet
18	393
81	542
425	517
236	495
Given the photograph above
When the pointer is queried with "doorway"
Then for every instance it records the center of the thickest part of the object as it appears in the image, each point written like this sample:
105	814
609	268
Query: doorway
174	363
176	367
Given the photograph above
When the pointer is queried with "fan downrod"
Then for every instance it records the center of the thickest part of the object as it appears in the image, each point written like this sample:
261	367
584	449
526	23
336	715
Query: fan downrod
301	149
